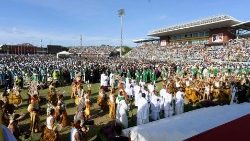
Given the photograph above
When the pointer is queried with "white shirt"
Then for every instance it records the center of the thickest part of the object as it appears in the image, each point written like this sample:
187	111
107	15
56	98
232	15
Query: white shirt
155	105
179	96
49	124
163	92
143	109
105	80
72	134
151	88
111	80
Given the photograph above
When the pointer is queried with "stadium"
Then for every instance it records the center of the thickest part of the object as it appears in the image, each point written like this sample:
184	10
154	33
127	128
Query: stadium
189	81
208	39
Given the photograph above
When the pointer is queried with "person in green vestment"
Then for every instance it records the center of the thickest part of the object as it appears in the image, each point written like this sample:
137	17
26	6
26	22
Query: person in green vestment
128	73
215	71
164	73
34	76
149	72
153	77
178	69
230	70
194	71
144	76
137	76
140	76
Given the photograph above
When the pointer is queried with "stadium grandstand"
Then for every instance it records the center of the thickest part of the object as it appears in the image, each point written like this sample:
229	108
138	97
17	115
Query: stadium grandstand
222	38
213	30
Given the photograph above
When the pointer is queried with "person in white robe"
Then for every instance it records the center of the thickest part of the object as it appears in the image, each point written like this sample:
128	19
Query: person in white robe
205	73
206	92
111	80
143	110
102	79
122	111
179	102
127	83
155	107
130	91
162	93
137	94
148	95
106	80
151	87
233	97
167	104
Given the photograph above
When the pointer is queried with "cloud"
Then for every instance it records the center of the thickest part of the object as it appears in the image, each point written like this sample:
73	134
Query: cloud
163	17
15	35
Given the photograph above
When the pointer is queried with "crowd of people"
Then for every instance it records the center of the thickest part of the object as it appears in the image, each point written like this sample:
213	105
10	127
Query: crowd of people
125	84
103	50
236	50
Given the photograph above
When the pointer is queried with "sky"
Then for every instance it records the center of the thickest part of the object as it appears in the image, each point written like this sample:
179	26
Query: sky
62	22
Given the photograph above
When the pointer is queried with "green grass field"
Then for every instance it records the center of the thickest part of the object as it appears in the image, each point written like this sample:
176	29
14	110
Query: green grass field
100	118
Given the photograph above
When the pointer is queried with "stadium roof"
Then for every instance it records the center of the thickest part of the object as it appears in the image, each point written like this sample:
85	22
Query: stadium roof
199	25
145	40
244	25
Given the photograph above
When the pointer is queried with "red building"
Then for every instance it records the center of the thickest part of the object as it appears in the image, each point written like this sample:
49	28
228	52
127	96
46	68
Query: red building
25	48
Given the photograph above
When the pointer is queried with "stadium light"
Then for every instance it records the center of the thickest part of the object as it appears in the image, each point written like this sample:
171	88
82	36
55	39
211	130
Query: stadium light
121	13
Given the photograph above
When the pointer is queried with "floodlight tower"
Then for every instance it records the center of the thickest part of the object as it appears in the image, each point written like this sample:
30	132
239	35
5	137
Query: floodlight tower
121	13
81	40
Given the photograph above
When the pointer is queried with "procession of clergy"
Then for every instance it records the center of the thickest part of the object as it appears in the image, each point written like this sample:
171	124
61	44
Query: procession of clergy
120	93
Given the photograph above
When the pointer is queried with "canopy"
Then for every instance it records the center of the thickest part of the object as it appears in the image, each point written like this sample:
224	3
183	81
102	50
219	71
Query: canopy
62	53
186	125
244	25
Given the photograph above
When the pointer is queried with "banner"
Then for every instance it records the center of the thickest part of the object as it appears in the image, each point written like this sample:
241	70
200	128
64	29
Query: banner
163	42
217	37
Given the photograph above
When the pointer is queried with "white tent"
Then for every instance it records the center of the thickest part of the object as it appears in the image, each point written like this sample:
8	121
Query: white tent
65	53
188	124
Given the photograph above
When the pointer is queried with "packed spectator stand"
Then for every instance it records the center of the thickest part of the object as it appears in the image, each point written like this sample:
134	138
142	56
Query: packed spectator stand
236	50
103	50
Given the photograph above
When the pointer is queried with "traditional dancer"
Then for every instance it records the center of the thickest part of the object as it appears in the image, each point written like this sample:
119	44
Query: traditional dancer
50	132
